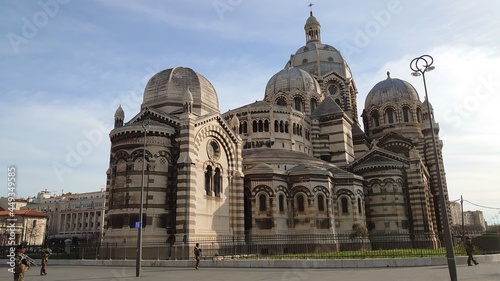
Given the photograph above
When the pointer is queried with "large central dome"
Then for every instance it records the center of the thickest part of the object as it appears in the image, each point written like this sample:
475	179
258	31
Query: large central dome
166	90
320	59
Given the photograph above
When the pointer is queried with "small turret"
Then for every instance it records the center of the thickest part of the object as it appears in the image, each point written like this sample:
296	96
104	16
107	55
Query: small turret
119	117
235	124
187	101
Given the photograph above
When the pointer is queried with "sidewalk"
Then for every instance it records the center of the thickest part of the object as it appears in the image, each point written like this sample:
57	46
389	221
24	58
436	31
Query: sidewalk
483	272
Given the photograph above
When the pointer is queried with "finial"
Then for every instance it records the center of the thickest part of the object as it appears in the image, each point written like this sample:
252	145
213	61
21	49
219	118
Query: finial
310	8
388	75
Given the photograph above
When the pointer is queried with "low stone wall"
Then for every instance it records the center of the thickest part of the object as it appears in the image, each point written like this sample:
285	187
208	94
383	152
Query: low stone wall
268	263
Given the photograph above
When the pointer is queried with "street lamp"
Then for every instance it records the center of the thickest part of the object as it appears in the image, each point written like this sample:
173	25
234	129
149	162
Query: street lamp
420	66
141	204
462	240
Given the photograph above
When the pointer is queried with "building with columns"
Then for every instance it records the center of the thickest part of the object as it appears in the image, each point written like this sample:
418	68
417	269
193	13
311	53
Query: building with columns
77	216
295	162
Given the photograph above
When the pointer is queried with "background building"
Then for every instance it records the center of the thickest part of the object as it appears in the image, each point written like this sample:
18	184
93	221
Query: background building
23	225
473	220
71	216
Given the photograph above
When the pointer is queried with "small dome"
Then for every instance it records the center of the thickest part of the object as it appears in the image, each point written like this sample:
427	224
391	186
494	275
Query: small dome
290	80
311	20
391	90
167	88
119	114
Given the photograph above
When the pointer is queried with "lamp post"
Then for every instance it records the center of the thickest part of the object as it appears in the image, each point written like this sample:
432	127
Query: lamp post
141	204
420	66
463	222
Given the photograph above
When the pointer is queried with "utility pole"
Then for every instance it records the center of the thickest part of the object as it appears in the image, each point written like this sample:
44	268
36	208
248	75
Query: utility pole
463	224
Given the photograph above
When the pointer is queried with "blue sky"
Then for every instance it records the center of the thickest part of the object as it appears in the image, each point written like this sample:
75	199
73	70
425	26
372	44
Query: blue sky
67	65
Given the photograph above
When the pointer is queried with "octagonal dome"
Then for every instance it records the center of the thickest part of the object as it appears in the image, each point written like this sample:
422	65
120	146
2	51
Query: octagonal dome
320	59
167	88
289	81
391	90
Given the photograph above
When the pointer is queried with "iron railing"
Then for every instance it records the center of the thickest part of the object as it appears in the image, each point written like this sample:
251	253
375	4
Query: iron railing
291	246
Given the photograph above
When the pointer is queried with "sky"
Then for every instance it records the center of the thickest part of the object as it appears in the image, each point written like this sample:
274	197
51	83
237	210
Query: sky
67	65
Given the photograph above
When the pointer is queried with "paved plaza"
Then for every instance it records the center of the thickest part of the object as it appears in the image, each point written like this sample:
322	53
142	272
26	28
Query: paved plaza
485	271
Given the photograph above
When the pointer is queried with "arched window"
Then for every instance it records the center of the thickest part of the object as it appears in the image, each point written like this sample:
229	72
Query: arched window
419	115
208	180
161	164
300	203
261	126
282	126
314	104
321	203
281	203
294	129
121	166
217	182
298	103
276	126
345	207
389	112
406	114
254	126
245	127
266	126
281	101
286	126
359	207
375	119
262	203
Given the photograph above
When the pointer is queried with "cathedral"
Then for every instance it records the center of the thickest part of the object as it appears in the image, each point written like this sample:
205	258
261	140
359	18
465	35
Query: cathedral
297	162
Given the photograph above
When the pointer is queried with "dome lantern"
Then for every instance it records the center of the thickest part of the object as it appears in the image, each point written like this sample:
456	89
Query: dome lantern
312	29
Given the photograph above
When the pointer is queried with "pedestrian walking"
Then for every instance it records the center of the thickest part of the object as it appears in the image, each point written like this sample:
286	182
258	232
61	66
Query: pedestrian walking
469	248
45	259
197	254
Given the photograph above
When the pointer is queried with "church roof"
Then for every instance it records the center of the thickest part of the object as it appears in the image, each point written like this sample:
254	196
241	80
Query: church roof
294	160
378	157
304	169
326	108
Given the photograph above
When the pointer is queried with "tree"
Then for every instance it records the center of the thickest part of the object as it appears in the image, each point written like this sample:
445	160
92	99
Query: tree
358	230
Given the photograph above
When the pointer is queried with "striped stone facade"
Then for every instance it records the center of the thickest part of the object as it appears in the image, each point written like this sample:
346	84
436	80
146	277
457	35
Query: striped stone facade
296	162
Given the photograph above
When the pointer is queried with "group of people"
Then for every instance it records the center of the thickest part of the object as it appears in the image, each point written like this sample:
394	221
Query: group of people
22	262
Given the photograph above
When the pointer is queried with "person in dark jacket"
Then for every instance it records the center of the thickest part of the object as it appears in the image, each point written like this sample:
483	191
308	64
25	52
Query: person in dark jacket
197	254
469	248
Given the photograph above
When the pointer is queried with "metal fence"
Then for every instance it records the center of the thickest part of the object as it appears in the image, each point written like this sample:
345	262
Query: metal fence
317	246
